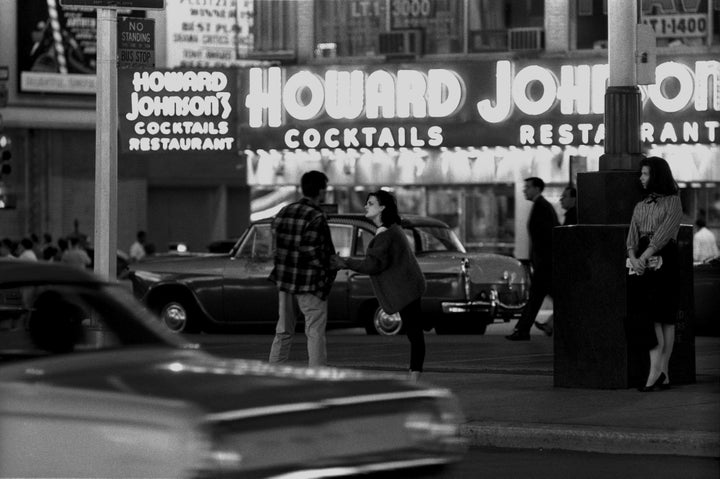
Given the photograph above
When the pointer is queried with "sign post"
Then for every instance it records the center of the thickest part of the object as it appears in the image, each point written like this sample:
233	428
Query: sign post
106	134
105	238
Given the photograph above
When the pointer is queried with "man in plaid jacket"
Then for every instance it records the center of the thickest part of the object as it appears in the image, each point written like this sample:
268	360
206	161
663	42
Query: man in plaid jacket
302	271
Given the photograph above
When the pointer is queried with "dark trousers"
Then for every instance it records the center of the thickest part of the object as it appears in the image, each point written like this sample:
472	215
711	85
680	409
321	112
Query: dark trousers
412	320
540	287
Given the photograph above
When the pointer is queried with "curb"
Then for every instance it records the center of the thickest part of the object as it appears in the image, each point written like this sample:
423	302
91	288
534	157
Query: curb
592	439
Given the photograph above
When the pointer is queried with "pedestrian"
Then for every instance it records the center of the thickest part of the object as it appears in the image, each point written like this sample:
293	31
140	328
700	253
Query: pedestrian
63	246
568	201
540	224
396	277
704	243
302	270
48	249
37	246
76	254
653	268
26	252
137	249
7	248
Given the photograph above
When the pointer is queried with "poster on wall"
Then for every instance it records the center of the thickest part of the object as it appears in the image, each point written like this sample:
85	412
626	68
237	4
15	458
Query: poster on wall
178	113
200	36
57	47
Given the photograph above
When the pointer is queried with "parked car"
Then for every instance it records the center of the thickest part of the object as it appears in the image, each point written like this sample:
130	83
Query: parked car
707	297
92	386
465	291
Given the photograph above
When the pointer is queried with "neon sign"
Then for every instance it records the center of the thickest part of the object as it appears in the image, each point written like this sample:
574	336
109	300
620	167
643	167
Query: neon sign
179	111
546	104
344	95
581	89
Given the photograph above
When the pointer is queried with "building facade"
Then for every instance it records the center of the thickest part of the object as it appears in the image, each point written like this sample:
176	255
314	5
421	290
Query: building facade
451	104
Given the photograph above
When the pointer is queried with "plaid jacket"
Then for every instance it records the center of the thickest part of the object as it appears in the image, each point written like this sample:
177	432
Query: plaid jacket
303	247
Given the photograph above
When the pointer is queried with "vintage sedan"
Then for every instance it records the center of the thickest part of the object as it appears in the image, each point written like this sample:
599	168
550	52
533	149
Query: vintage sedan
91	386
465	291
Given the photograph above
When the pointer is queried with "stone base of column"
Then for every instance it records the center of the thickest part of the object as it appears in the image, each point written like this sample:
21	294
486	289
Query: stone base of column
607	197
620	161
590	296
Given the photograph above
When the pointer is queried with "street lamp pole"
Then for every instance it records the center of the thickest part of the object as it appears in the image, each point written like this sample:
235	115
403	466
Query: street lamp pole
623	107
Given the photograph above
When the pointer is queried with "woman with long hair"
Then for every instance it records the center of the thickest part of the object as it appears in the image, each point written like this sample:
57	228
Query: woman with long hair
654	266
394	272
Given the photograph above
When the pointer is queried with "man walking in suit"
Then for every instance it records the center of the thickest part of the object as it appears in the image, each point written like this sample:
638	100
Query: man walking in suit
540	224
568	201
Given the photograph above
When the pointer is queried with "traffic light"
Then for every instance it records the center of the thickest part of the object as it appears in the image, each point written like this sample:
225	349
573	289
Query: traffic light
5	155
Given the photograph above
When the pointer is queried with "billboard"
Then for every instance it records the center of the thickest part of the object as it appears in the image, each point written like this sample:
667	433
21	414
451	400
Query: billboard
57	47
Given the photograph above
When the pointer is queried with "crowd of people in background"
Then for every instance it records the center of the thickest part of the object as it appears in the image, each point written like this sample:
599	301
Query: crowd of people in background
70	250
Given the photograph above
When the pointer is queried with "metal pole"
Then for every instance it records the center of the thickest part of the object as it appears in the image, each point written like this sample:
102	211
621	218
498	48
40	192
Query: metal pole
105	239
623	107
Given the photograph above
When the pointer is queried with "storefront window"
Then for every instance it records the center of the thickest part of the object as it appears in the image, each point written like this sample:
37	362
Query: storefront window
275	26
489	219
592	24
426	27
674	23
349	28
440	21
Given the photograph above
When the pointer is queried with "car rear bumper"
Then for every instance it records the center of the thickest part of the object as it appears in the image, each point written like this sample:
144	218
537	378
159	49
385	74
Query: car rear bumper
492	307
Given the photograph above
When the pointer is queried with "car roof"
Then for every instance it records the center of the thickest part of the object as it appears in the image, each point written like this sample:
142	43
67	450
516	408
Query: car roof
18	272
407	220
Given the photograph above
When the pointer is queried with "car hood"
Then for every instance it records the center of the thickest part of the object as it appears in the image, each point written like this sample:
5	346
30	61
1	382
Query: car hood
483	267
214	385
208	263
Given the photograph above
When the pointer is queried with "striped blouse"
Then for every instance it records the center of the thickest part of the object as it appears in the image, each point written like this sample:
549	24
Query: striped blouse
657	216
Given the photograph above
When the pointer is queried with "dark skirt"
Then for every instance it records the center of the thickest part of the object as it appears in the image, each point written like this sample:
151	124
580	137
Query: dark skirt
653	297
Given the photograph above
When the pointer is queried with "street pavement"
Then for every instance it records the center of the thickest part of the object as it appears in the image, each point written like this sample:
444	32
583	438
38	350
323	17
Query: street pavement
507	394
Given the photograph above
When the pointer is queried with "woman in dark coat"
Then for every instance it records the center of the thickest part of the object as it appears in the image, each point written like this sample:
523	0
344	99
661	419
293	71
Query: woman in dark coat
653	265
394	272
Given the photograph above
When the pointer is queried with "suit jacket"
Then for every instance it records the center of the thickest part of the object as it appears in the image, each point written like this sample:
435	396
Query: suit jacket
540	225
570	216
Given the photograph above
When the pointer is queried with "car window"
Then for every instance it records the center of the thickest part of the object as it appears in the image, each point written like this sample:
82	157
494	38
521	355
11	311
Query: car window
410	237
433	238
363	240
257	243
64	319
342	236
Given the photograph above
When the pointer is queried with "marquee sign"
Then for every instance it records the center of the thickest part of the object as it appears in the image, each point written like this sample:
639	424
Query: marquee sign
177	112
465	104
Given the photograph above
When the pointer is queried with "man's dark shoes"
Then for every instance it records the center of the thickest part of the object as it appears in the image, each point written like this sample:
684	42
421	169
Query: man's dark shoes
518	336
545	328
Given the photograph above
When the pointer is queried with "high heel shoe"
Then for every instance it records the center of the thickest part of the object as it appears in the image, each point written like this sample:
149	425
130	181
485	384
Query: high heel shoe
658	384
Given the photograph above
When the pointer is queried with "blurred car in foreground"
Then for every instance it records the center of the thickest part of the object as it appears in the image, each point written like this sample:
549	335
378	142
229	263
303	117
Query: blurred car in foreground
706	286
465	291
90	386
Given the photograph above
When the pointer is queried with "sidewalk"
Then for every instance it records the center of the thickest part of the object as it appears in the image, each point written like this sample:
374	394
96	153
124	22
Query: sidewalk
507	393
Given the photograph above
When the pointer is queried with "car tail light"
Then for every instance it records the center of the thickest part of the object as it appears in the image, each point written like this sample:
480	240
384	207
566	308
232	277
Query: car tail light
465	270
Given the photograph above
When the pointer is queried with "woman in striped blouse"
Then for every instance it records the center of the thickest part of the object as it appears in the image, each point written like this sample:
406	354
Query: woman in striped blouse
653	265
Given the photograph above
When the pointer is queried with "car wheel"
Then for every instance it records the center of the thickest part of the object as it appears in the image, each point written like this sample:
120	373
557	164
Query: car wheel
386	324
177	317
